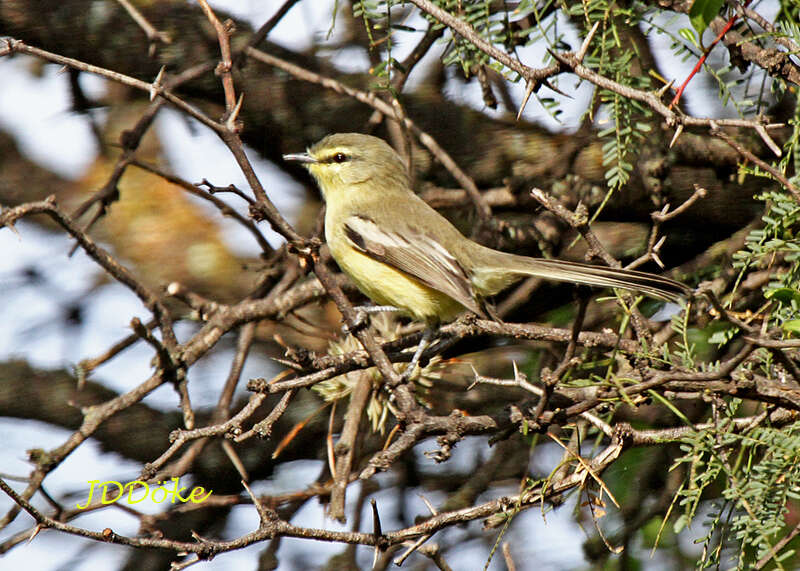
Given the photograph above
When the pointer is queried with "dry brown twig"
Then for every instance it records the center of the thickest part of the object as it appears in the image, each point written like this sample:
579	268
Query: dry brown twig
150	31
659	217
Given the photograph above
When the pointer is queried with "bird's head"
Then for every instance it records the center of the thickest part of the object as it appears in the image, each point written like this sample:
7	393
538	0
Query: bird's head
340	163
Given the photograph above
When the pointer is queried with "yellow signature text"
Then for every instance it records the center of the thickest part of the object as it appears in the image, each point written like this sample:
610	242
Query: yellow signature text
113	491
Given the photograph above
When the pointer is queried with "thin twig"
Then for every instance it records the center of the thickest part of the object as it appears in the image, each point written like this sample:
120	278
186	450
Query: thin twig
345	449
223	207
776	174
150	31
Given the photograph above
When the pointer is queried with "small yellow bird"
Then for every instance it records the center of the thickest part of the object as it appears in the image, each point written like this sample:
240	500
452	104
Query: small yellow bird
403	254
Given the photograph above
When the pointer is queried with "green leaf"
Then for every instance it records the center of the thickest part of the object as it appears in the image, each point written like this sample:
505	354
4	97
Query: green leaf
702	12
784	556
783	294
670	406
403	28
791	326
688	35
722	335
378	70
680	523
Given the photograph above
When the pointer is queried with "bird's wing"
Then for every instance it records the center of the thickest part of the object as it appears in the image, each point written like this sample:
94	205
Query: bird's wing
416	254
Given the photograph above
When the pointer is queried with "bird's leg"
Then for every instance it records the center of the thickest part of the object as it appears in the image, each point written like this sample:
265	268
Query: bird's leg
427	335
376	308
361	315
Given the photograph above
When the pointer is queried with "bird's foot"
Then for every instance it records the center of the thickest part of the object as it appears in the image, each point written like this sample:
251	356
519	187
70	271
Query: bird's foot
424	343
362	317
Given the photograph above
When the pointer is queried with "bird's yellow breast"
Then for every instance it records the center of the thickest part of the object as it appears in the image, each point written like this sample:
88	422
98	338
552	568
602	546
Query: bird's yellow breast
386	285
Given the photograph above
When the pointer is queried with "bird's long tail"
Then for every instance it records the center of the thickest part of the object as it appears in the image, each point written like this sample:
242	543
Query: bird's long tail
494	277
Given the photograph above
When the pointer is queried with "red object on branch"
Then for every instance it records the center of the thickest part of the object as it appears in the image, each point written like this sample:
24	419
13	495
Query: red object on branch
702	59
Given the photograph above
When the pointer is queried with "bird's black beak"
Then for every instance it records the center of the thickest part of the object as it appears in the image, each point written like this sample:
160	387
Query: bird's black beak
300	158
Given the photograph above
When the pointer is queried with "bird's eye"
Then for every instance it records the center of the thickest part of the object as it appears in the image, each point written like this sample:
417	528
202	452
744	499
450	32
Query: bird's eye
339	158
